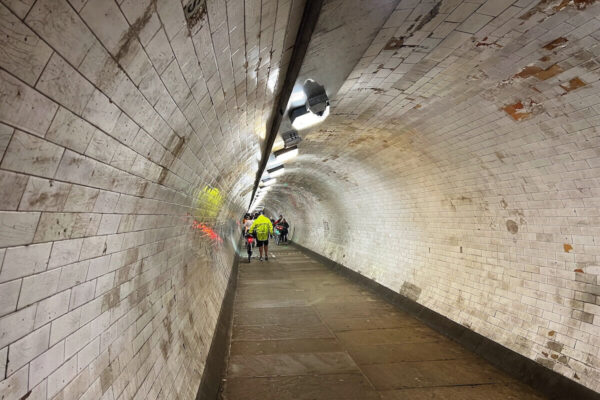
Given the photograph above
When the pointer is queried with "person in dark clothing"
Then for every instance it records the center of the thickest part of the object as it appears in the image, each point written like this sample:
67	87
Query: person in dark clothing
283	227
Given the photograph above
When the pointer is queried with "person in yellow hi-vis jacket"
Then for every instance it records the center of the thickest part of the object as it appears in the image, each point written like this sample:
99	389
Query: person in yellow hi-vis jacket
263	227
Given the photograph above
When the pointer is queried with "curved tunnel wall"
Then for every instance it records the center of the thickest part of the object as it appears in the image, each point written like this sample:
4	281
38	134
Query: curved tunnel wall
459	167
462	172
128	145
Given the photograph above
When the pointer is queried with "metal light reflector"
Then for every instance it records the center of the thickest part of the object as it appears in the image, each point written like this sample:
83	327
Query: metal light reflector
268	182
277	171
286	154
303	118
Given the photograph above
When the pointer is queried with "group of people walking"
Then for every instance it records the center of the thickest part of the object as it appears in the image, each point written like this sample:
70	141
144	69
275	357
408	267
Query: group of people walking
261	228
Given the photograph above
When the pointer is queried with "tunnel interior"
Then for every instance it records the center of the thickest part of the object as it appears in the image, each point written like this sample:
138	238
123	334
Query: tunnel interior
457	165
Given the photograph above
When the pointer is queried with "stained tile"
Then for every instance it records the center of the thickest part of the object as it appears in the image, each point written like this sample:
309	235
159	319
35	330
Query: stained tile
306	328
392	321
416	334
291	364
432	373
275	315
311	345
496	391
398	352
307	387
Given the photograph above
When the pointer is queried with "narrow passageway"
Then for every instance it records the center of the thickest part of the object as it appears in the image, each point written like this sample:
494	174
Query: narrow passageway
302	331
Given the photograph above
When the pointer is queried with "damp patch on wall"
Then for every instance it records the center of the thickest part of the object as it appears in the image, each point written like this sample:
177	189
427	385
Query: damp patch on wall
194	11
410	290
512	226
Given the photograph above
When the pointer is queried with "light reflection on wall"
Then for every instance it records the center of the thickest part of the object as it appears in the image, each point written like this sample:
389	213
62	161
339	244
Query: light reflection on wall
207	231
209	204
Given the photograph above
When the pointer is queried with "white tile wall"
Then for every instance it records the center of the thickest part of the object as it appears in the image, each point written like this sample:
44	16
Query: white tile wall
113	117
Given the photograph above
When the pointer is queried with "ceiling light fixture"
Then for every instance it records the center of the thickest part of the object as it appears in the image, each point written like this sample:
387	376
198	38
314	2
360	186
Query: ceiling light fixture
277	171
302	118
286	154
268	182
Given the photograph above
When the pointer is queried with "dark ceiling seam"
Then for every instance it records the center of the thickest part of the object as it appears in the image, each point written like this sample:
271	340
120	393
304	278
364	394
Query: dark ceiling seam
312	9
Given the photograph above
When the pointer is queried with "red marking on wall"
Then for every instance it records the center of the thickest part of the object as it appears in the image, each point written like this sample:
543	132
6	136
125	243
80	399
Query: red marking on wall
574	83
207	231
578	270
516	111
567	248
558	42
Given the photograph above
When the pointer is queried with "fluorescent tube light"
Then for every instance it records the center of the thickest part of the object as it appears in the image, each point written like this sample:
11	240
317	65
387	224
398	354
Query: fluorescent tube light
286	154
268	182
303	119
277	171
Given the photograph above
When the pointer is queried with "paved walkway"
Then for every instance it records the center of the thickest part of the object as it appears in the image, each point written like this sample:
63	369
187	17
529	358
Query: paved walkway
301	331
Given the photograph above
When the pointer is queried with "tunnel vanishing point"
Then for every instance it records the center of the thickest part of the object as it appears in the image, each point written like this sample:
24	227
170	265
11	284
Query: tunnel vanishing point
446	185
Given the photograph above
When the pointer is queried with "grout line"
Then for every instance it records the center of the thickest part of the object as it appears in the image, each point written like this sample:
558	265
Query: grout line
342	345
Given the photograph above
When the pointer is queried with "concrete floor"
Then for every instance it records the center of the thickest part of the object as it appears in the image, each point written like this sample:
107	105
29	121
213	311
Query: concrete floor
301	331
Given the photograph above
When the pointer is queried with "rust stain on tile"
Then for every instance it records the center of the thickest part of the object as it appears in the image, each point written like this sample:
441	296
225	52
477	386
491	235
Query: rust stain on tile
538	72
515	111
535	89
567	247
484	42
545	58
578	270
574	83
394	43
549	72
545	7
556	43
579	4
551	333
582	4
539	7
528	71
562	5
